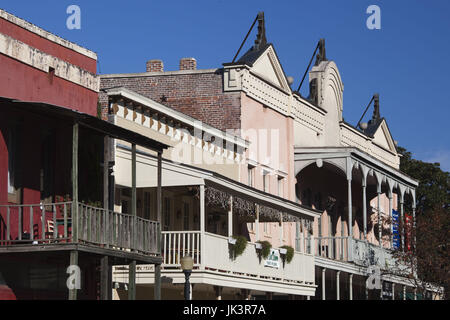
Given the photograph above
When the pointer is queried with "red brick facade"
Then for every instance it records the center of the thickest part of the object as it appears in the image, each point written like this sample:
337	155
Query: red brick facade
199	95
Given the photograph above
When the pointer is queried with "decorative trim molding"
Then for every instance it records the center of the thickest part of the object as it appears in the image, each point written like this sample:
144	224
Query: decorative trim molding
37	59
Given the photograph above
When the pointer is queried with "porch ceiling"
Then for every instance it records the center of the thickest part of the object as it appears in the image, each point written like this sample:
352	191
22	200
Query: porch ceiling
91	122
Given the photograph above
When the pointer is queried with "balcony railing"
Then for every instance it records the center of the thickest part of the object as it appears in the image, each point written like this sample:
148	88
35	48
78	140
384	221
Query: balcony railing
215	257
43	224
335	248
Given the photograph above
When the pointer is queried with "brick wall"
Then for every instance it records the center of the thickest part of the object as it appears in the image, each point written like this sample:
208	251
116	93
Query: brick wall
199	95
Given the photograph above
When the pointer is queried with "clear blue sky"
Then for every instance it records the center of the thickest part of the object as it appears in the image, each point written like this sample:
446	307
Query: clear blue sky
407	61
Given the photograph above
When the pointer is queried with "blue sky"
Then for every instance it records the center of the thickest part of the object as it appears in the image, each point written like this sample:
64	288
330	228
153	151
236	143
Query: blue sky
406	61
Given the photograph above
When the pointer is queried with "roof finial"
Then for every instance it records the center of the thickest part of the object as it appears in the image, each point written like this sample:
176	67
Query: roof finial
261	37
321	56
376	108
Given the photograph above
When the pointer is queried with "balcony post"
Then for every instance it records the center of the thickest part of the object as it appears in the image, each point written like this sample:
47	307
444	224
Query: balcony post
365	171
75	222
281	229
404	292
380	227
257	223
392	220
351	286
338	273
132	265
230	217
350	219
202	226
74	262
106	235
158	231
323	282
393	290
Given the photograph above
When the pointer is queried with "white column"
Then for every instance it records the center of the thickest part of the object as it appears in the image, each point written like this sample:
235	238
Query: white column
350	218
414	223
392	220
402	223
281	229
380	227
364	209
257	223
351	286
202	226
404	292
230	218
338	296
393	291
323	283
415	293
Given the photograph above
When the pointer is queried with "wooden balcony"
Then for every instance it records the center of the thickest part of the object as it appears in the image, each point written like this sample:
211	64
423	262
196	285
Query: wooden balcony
213	265
58	225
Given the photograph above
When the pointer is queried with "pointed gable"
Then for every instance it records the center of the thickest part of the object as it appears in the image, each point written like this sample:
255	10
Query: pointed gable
382	136
268	67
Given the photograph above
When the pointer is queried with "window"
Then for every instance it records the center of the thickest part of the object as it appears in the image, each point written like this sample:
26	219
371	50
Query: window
250	176
166	213
265	181
280	186
186	216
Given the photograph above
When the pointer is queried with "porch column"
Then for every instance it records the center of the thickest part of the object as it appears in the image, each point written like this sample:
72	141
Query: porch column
381	289
107	233
74	262
159	220
350	219
257	223
281	229
105	285
323	283
402	190
380	227
404	292
75	136
351	285
392	221
393	291
364	187
338	296
402	224
415	293
230	218
132	265
218	291
202	226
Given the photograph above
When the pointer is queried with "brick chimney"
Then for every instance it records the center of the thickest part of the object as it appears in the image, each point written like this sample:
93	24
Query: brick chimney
188	64
155	66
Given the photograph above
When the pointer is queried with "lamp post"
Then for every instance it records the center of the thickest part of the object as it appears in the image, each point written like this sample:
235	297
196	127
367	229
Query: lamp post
187	263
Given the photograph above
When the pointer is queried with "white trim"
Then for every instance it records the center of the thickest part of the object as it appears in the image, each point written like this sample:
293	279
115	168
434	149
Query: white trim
40	60
179	116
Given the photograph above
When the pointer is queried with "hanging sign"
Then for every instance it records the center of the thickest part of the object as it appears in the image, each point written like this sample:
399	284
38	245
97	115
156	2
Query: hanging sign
273	260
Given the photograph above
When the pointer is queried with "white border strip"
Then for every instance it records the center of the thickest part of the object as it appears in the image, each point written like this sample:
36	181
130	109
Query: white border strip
47	35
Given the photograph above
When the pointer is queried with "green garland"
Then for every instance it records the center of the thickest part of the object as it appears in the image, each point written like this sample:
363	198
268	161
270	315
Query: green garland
289	253
239	246
265	248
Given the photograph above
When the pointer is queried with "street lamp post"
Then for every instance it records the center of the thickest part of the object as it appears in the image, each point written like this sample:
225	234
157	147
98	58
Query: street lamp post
187	263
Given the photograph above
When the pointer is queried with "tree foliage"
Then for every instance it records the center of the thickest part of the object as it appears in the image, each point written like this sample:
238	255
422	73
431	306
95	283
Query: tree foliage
429	259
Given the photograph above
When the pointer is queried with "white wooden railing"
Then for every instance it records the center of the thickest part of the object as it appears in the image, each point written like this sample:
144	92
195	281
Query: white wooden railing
335	248
215	257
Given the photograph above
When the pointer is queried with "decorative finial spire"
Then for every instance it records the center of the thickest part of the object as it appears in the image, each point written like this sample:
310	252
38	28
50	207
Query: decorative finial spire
261	37
321	56
376	108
